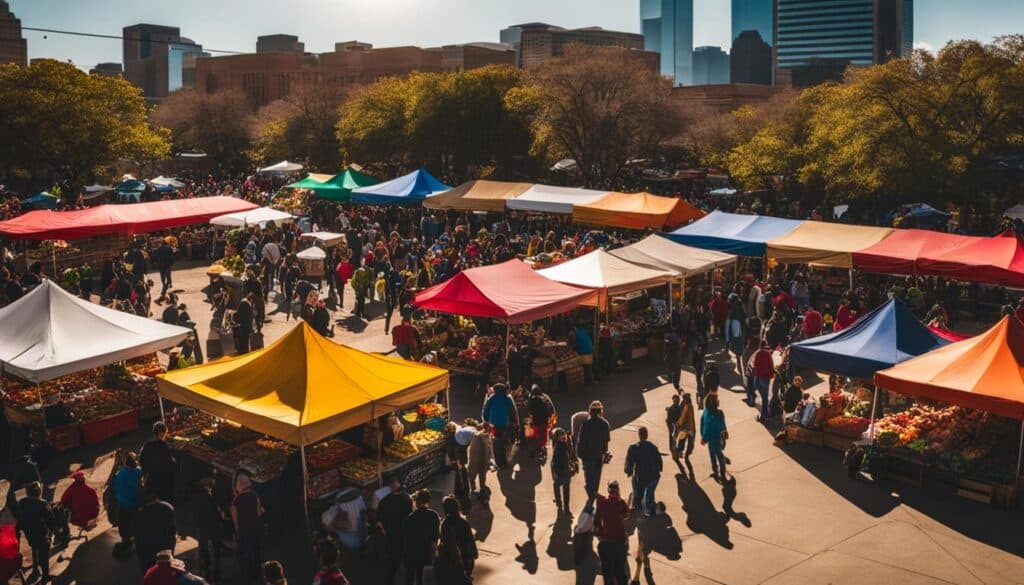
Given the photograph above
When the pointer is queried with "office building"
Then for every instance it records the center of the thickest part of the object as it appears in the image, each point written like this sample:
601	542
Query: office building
13	47
710	66
280	44
667	27
724	98
107	70
474	55
158	59
753	40
818	39
181	64
537	42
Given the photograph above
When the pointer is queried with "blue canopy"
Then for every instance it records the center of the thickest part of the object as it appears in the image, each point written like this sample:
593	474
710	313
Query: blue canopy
881	339
743	235
130	186
405	190
41	200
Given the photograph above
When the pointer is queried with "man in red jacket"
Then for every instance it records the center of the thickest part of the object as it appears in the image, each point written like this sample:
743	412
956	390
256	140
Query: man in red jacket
170	571
763	370
82	503
813	323
610	516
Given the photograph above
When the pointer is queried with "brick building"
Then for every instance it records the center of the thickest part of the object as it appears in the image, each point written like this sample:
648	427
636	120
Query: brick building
724	97
474	55
13	47
537	42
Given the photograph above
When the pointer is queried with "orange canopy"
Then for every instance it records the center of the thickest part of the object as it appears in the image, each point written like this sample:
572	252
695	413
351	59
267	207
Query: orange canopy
984	372
636	211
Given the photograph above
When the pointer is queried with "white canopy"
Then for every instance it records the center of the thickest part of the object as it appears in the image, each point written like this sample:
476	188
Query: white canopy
609	275
312	253
327	239
96	188
1015	212
282	167
548	199
259	216
167	182
658	252
50	333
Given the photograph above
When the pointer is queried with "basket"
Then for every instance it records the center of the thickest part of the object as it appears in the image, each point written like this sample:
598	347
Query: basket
435	423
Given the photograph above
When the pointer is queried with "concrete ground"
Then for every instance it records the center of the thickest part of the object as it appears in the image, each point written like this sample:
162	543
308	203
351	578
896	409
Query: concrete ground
791	515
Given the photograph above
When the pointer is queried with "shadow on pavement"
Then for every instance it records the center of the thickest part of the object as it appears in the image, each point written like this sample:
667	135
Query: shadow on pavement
560	543
701	515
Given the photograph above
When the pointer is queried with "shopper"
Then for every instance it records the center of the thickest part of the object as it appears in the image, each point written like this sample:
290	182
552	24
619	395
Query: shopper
329	573
673	358
499	411
82	504
563	467
158	464
243	321
208	518
713	433
154	527
163	259
480	453
392	511
405	338
246	515
686	428
643	465
37	522
762	368
273	574
459	532
127	484
672	412
542	411
610	515
592	447
168	570
421	530
362	280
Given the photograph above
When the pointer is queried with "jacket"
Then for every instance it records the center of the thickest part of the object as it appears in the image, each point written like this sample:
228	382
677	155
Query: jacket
35	519
540	408
458	526
154	528
595	433
83	502
686	422
764	367
164	573
480	451
643	460
712	425
499	410
361	279
610	518
420	531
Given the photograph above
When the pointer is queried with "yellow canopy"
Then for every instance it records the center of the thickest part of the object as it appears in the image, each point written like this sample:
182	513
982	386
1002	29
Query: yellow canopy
477	196
825	244
302	388
636	211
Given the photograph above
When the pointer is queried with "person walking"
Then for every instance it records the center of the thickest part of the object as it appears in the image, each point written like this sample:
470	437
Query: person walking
480	453
500	412
154	527
209	532
563	467
329	573
542	411
643	465
610	515
163	259
713	433
735	325
35	520
127	484
362	279
762	368
458	530
270	260
158	464
672	412
273	574
421	530
685	427
243	324
246	515
673	358
392	511
592	447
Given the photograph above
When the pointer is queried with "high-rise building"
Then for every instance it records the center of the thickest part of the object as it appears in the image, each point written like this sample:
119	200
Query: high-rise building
181	64
753	39
818	39
280	44
13	47
158	59
710	66
667	27
538	42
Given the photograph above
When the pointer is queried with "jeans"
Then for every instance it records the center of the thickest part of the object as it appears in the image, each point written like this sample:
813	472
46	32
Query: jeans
674	374
500	449
360	305
41	557
685	445
762	385
592	475
672	443
165	280
717	458
561	488
613	562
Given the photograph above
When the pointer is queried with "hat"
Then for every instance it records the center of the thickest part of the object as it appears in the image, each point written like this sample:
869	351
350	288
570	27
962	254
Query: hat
613	486
78	476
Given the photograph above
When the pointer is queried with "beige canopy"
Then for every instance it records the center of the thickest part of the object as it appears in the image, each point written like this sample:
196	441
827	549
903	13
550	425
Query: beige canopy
659	252
825	244
477	196
607	274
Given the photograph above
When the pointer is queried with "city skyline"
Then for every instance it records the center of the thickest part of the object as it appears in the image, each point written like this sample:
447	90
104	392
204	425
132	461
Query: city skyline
321	23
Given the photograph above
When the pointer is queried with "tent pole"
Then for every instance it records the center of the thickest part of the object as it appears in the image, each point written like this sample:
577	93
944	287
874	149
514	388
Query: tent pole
1020	450
305	488
851	278
160	401
378	438
670	296
508	368
874	406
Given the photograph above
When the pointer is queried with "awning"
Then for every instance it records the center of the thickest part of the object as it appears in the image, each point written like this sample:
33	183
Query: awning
636	211
50	333
607	274
889	335
898	253
656	251
340	186
134	218
405	190
259	216
825	244
510	291
310	181
312	253
743	235
163	181
996	260
41	200
478	196
327	239
302	388
548	199
282	167
985	372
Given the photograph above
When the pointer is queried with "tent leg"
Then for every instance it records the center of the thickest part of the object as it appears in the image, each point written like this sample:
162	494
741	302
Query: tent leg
670	296
874	406
851	279
305	491
508	368
597	354
160	401
1020	450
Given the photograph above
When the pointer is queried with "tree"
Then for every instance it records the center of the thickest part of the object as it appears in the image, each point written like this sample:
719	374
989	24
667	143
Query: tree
301	125
215	123
600	106
371	124
61	125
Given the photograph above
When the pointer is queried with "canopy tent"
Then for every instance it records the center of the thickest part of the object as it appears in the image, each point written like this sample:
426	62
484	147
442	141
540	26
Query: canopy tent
52	333
984	372
130	186
898	254
922	214
607	274
163	181
510	291
947	334
310	181
302	388
636	211
478	196
312	253
340	186
282	167
326	239
259	216
996	260
743	235
41	200
136	218
825	244
886	336
1015	212
723	192
405	190
656	251
97	188
548	199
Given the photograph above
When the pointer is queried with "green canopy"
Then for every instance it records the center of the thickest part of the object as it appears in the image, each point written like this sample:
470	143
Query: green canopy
339	187
310	182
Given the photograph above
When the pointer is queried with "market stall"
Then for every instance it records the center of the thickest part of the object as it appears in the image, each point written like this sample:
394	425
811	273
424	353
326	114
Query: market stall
306	396
659	252
252	217
310	181
282	167
743	235
409	189
548	199
824	244
636	211
325	239
340	186
478	195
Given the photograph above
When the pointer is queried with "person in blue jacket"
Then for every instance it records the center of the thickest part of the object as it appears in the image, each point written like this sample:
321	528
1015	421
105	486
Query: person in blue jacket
500	412
713	433
127	483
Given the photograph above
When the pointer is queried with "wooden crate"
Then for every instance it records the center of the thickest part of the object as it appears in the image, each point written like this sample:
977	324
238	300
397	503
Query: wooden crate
834	441
574	379
65	438
799	434
996	494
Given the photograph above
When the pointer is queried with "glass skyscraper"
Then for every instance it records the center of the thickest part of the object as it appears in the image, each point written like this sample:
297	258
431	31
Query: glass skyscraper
667	26
753	41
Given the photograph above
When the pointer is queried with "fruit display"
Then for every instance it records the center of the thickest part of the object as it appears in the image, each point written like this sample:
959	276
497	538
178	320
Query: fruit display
188	423
330	453
971	433
94	404
145	366
847	426
226	435
401	449
265	459
292	201
859	408
235	264
423	439
359	469
430	410
322	484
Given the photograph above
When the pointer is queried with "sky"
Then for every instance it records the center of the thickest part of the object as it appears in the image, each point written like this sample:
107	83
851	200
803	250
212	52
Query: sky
234	24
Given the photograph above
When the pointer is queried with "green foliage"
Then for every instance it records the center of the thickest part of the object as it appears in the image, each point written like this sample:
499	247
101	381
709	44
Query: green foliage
300	126
60	124
216	123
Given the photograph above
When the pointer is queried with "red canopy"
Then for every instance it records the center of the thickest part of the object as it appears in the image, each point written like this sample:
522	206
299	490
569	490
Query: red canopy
510	291
134	218
948	335
898	254
998	260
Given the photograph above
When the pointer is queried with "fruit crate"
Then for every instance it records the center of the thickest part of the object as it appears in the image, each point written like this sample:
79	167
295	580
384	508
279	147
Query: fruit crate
801	434
834	441
995	494
65	438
